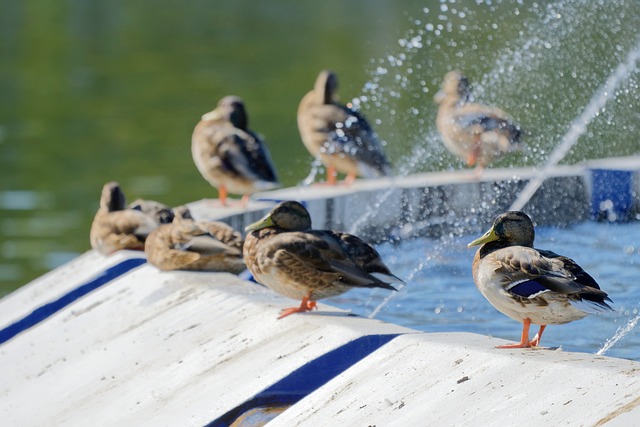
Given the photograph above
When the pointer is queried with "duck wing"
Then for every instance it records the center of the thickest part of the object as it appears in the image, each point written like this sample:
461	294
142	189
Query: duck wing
365	257
528	273
243	155
347	131
317	258
478	119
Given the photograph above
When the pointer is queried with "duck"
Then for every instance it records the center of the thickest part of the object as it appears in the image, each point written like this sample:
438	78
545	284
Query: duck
230	156
115	227
285	254
475	133
532	286
187	244
340	137
162	213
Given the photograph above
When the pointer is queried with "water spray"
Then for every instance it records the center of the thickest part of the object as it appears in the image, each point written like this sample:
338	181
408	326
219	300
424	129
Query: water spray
579	125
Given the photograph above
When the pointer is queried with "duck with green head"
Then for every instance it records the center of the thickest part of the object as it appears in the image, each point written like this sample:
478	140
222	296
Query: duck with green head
532	285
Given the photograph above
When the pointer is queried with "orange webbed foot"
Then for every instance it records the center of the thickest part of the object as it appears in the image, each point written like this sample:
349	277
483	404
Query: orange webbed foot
518	345
524	341
306	305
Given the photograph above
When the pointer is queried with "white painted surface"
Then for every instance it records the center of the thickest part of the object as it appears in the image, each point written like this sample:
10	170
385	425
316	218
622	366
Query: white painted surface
181	348
460	379
161	348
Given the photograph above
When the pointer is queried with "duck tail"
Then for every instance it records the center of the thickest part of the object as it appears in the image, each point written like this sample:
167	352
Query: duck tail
593	303
387	279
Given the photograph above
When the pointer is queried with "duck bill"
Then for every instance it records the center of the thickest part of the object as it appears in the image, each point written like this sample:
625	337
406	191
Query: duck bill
260	224
487	237
211	115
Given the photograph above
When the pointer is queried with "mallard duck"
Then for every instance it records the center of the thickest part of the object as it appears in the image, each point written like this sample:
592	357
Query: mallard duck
532	285
285	254
115	227
475	133
186	244
339	136
230	156
162	213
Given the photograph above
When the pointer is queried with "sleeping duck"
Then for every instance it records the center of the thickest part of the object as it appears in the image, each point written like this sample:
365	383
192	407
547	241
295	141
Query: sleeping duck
187	244
116	227
162	213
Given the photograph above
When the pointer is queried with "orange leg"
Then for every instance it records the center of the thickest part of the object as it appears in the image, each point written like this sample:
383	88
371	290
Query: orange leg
332	175
222	195
536	340
306	305
524	340
350	178
245	201
472	158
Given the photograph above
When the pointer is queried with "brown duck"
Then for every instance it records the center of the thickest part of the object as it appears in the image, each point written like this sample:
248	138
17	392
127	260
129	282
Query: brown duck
339	136
229	156
115	227
187	244
476	133
285	254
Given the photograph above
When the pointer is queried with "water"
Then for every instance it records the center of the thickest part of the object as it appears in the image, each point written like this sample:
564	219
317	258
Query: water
440	295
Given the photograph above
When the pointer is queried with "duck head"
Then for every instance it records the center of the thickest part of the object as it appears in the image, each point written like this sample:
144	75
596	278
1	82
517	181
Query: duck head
513	228
230	108
288	216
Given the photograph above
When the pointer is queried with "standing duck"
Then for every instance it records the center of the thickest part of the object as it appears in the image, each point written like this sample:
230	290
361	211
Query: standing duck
285	254
475	133
116	227
230	156
187	244
532	285
339	136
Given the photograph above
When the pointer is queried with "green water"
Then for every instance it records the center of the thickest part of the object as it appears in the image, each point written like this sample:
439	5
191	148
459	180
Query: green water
92	91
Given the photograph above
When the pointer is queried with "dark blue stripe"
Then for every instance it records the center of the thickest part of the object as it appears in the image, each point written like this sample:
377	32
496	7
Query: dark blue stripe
308	378
43	312
528	288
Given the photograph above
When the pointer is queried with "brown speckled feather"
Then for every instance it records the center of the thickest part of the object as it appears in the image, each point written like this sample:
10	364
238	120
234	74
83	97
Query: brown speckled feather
339	136
474	132
195	245
528	284
299	262
114	227
230	155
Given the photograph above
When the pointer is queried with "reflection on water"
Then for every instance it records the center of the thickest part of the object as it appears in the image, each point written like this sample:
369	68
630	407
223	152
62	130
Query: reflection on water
96	91
31	230
441	296
24	200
